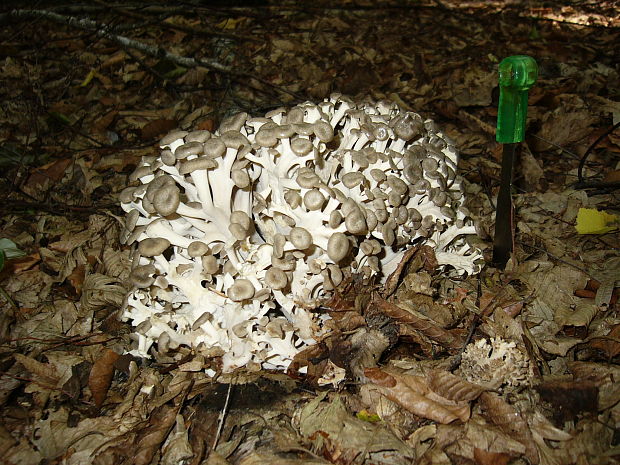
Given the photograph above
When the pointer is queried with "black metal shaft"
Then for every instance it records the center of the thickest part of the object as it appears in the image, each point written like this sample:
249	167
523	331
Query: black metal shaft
504	225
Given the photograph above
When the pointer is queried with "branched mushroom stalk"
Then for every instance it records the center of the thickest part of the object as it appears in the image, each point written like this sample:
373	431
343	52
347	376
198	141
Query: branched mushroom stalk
241	233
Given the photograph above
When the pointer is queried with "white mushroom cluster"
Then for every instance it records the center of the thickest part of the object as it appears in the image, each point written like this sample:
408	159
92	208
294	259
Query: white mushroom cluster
241	233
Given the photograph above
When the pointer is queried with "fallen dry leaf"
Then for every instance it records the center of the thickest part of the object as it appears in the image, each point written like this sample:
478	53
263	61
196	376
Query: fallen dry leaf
100	376
412	392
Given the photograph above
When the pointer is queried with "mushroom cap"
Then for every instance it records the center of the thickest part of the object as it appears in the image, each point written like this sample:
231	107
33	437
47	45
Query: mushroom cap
241	178
197	249
324	131
242	289
300	238
214	147
314	199
141	276
209	264
198	136
172	137
352	179
338	247
187	149
275	278
167	199
301	146
153	246
233	123
202	163
293	198
355	222
234	139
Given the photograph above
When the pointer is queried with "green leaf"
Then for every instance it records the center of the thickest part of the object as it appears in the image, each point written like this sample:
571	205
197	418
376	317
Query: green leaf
9	250
1	259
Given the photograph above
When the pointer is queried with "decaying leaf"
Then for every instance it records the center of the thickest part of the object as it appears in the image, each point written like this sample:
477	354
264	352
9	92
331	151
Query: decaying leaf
452	387
339	436
416	322
413	393
509	421
100	376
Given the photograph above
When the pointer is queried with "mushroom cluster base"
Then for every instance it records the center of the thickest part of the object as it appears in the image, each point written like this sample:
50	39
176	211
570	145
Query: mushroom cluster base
240	234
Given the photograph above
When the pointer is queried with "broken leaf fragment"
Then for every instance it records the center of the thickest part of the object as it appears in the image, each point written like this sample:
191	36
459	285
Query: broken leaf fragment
592	221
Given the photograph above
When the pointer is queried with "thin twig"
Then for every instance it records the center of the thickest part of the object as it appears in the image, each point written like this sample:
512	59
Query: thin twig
222	417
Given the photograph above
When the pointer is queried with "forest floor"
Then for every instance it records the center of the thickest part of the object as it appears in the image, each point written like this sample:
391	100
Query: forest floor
80	106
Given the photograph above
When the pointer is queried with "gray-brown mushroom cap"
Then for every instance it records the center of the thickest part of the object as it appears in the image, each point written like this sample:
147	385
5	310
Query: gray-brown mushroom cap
338	247
242	289
197	249
275	278
153	246
141	276
300	238
167	199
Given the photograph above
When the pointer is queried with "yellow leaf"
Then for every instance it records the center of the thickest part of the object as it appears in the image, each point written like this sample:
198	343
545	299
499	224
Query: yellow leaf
88	78
592	221
365	415
229	23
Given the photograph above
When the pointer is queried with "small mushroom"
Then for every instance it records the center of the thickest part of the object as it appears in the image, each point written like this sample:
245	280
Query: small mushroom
214	148
276	279
300	238
166	200
242	289
141	276
197	249
314	200
209	264
153	246
338	247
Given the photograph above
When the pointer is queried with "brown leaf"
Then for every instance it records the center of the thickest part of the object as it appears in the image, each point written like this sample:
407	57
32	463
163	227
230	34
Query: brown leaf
412	393
101	376
609	343
414	259
452	387
485	457
151	437
380	377
102	123
423	325
49	173
76	278
509	421
44	373
157	128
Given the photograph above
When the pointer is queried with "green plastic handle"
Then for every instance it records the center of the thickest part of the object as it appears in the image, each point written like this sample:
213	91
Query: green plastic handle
516	75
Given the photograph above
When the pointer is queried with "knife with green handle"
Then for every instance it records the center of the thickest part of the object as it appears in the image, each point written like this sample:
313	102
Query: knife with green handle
516	75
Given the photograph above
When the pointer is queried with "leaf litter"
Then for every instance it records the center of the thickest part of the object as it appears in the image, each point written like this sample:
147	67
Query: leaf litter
512	366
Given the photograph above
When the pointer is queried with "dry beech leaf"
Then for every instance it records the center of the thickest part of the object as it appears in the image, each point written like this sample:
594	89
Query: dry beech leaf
76	279
423	325
380	377
151	437
452	387
101	376
50	173
582	315
415	259
45	373
157	128
485	457
412	393
509	421
608	343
